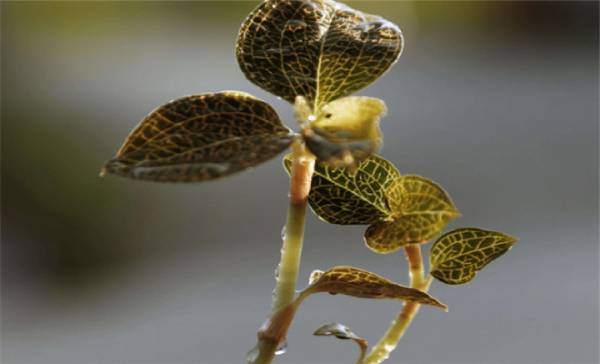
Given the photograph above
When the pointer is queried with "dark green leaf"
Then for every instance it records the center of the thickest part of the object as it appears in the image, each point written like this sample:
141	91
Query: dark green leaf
360	283
319	49
340	197
420	209
198	138
456	256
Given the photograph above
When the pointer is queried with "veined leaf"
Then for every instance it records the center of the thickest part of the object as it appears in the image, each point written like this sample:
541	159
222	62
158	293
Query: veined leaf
412	194
346	131
319	49
338	196
456	256
202	137
419	211
342	332
360	283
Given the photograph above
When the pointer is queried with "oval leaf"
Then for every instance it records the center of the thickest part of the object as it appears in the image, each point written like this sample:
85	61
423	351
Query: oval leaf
456	256
413	194
360	283
318	49
202	137
420	209
339	196
342	332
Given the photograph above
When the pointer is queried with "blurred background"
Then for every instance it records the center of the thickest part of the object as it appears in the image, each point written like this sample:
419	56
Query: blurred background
496	101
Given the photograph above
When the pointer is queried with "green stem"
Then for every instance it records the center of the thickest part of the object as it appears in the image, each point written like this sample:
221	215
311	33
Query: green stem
388	342
301	175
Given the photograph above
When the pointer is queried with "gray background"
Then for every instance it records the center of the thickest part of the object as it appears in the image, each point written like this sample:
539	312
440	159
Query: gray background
498	102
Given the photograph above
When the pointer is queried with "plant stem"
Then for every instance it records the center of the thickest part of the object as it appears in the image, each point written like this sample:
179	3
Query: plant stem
388	342
303	163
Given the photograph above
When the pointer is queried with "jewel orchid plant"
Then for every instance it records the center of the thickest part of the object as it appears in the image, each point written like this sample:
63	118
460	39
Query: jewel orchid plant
314	54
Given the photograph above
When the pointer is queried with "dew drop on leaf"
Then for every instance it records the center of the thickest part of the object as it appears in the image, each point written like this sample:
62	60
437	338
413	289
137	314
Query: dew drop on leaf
314	276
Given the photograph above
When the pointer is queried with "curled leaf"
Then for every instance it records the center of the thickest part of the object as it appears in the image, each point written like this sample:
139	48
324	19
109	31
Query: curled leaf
342	332
346	131
420	209
360	283
338	196
319	49
456	256
202	137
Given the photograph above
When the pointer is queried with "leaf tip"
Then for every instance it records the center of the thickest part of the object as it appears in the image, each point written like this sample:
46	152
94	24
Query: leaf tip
435	303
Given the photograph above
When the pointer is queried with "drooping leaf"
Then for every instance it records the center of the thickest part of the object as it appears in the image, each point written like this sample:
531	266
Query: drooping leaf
319	49
346	131
202	137
338	196
456	256
360	283
420	209
342	332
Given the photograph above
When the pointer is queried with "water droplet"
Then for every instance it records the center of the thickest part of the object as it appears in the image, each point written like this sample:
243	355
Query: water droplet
281	349
277	272
312	118
252	355
283	230
315	275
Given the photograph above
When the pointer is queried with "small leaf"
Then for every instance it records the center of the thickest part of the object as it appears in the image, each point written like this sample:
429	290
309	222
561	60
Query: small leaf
342	332
346	131
338	196
198	138
420	209
456	256
360	283
319	49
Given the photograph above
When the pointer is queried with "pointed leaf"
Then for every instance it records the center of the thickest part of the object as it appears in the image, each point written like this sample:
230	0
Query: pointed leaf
346	131
420	209
456	256
202	137
319	49
360	283
342	332
338	196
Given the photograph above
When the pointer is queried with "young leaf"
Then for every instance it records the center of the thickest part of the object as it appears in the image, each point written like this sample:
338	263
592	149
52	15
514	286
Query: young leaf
346	131
319	49
340	197
419	211
202	137
342	332
360	283
456	256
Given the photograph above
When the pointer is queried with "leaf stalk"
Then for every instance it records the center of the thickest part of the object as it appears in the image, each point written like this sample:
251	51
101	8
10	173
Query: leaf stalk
303	163
388	342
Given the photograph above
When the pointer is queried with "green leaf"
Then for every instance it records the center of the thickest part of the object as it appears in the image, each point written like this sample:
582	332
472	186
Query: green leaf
346	131
456	256
342	332
420	209
339	196
319	49
360	283
202	137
